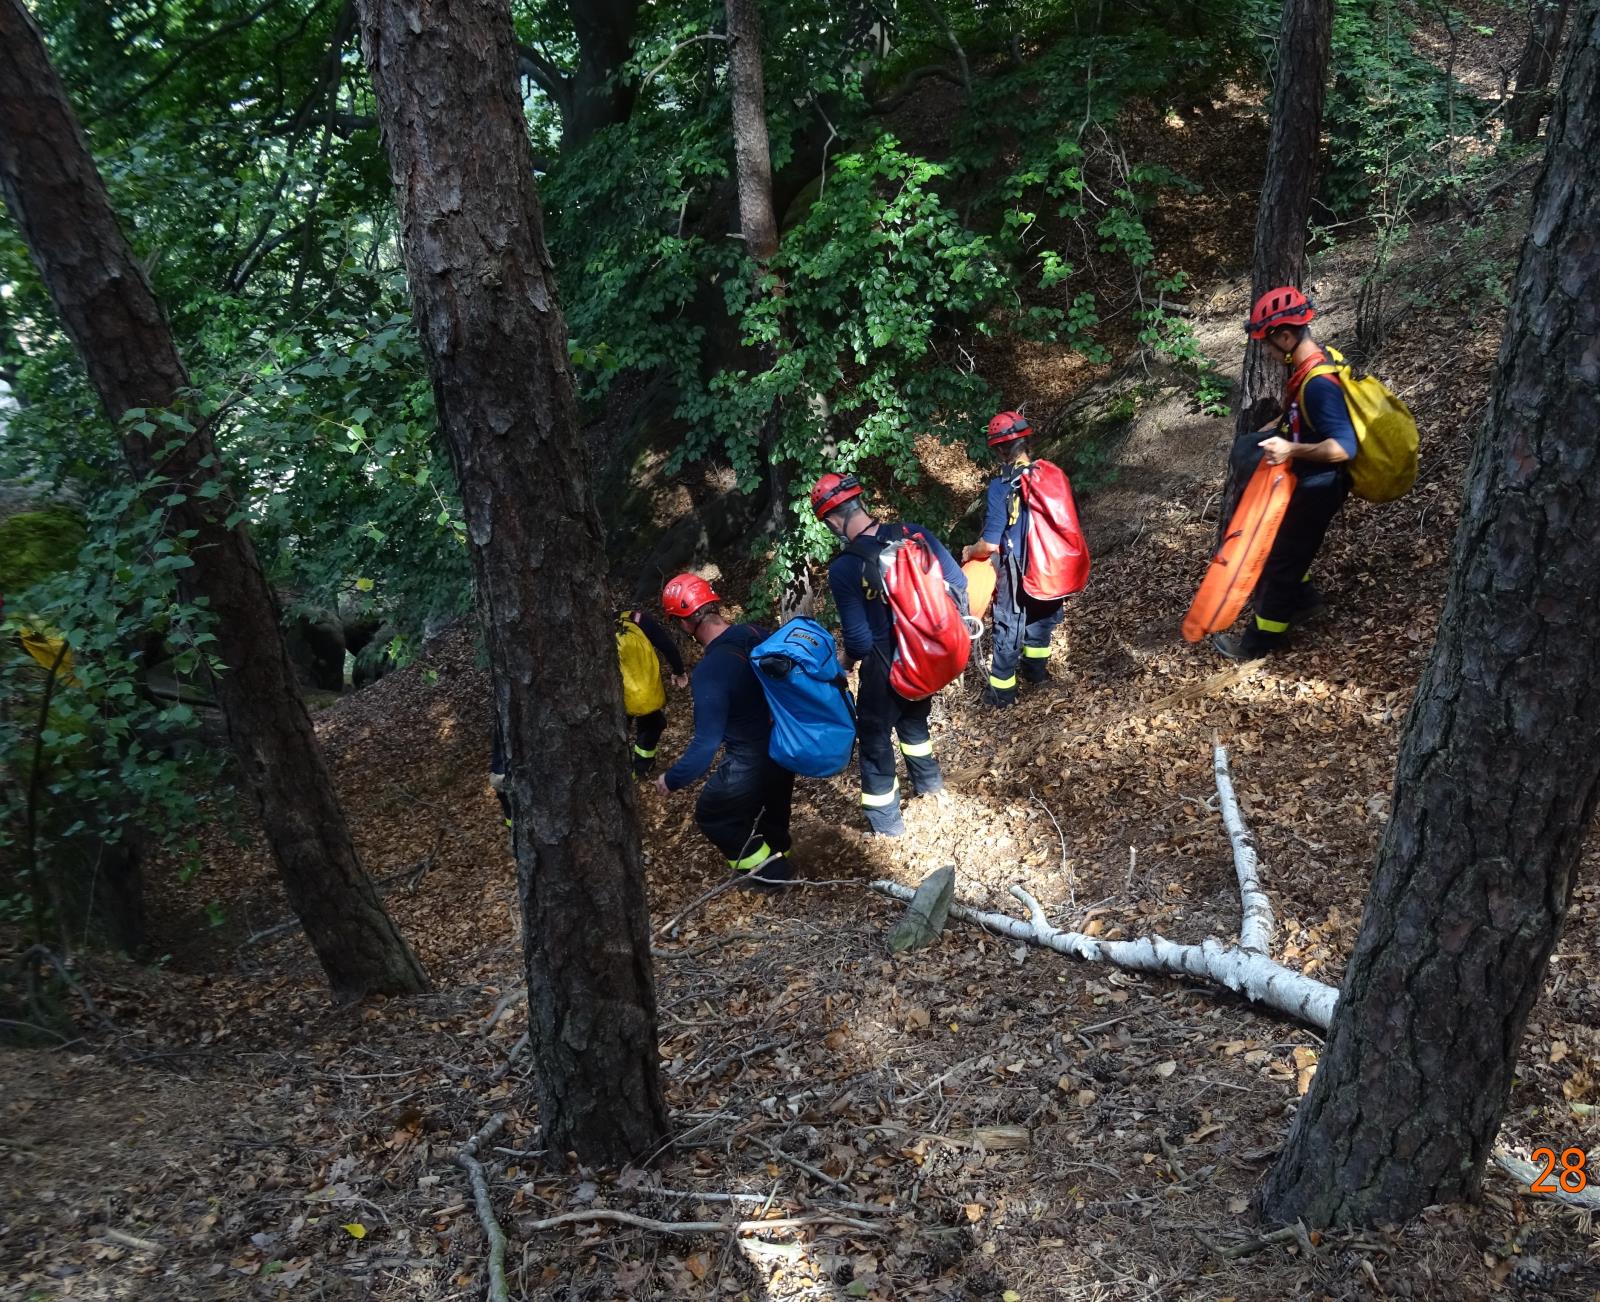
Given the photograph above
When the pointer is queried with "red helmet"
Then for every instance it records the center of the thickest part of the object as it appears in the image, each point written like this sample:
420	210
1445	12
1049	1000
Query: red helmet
1008	426
832	491
686	594
1284	306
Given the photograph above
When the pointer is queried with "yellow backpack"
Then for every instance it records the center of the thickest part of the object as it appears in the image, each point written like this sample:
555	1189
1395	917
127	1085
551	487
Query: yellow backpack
1385	466
642	690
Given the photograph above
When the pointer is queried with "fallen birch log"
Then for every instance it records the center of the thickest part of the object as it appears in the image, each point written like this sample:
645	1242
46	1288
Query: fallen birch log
1256	923
1254	976
1244	968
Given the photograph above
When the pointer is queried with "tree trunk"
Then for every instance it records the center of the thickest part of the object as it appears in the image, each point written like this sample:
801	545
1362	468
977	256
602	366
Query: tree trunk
61	207
1498	769
1300	85
1531	100
484	302
750	148
600	95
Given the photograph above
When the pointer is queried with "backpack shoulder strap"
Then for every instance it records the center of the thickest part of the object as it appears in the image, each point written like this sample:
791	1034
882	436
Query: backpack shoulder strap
1334	373
869	547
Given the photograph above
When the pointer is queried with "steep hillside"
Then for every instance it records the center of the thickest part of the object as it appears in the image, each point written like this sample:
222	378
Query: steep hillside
253	1131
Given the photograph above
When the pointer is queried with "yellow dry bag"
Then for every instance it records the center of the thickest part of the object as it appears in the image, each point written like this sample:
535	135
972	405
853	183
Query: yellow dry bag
50	652
642	689
1385	466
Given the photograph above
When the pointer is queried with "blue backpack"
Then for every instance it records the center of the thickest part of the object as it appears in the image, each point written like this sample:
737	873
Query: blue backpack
813	717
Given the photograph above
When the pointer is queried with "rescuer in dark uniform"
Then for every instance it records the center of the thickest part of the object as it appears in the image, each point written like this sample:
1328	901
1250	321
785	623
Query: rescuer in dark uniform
1023	623
882	714
1315	435
743	808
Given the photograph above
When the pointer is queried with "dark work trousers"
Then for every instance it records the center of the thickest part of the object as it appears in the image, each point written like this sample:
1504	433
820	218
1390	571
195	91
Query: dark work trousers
1022	629
647	730
743	809
1285	587
881	715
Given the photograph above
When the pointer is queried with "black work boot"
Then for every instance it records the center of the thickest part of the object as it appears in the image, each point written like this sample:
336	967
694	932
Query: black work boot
1000	697
1242	647
769	878
1311	604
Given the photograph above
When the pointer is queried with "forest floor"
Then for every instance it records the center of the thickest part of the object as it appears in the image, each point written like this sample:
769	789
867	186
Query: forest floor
1003	1121
990	1121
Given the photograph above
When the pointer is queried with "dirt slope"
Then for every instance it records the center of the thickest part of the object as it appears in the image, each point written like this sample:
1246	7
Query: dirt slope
234	1124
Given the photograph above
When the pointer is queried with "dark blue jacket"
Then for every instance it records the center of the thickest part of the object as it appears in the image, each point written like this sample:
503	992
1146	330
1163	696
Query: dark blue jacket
863	614
1005	516
730	709
1319	414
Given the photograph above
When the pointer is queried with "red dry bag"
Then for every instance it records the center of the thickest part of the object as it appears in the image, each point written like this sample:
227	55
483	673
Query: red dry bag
1058	558
932	644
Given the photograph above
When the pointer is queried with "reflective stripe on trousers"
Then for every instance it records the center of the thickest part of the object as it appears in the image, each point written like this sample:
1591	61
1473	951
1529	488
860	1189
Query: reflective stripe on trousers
754	859
1022	628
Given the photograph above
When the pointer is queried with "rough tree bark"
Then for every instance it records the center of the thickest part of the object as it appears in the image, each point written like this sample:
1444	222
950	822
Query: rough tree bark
1531	100
62	209
1304	32
484	301
751	152
1498	771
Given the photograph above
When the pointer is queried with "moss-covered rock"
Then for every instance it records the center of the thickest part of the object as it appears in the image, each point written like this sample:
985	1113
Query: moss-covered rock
38	543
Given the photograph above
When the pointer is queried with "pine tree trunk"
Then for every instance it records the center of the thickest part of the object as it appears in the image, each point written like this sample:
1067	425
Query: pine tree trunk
484	301
61	207
1299	87
751	151
1498	771
1531	100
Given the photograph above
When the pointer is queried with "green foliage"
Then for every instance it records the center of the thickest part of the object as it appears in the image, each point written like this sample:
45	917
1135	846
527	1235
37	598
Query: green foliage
238	145
860	335
351	496
1407	137
1395	120
850	312
97	756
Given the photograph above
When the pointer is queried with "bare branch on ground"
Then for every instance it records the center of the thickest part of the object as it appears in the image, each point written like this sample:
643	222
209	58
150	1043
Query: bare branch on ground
467	1160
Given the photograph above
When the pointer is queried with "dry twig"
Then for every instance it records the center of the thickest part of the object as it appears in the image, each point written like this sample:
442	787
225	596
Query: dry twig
132	1241
505	1001
467	1160
1255	926
670	927
701	1227
795	1162
1295	1233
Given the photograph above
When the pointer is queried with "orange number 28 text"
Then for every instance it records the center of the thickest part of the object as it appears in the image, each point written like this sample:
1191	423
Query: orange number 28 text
1566	1175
